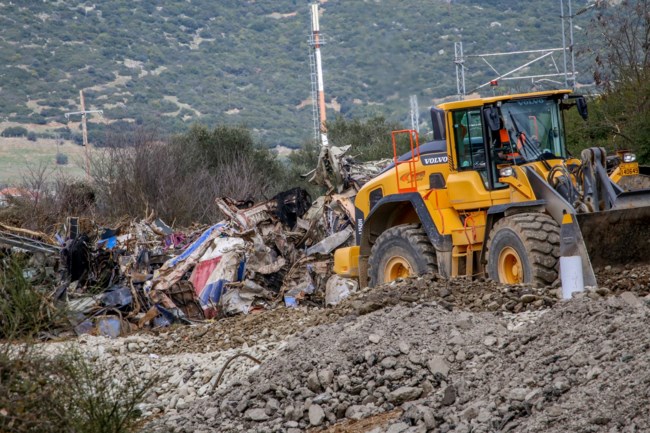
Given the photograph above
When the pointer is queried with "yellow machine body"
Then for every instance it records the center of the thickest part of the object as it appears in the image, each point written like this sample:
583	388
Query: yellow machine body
455	189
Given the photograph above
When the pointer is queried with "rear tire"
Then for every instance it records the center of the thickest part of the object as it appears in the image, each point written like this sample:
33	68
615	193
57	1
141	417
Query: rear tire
399	252
524	248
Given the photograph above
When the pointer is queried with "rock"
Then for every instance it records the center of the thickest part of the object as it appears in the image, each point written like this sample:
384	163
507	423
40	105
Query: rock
579	359
389	362
484	415
594	372
448	396
632	300
438	365
357	412
561	384
273	405
533	395
469	414
527	298
312	382
404	394
322	398
456	340
397	428
518	394
256	415
600	420
374	338
461	356
316	415
325	377
490	340
404	347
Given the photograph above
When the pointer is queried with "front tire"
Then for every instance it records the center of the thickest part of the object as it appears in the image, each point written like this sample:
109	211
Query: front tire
524	248
399	252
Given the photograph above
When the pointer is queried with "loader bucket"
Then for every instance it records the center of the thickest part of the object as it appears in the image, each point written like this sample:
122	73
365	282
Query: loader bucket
618	236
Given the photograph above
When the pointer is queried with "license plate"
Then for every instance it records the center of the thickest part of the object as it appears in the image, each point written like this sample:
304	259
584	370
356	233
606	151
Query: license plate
629	169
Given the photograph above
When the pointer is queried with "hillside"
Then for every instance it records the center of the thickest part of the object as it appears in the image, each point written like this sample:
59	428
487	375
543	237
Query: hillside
246	62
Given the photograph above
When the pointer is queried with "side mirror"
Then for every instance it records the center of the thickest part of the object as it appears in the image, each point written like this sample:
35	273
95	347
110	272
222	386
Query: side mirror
581	103
438	123
492	119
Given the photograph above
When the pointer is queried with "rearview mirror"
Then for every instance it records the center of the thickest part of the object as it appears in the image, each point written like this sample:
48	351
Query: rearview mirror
492	118
581	103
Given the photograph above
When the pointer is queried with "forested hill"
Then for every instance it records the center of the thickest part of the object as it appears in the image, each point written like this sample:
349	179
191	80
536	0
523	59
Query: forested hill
170	63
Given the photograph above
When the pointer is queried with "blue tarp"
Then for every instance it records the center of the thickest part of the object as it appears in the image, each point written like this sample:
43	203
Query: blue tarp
193	246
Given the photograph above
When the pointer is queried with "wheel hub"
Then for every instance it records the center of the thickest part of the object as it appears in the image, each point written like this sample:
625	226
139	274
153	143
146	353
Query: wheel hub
397	267
510	267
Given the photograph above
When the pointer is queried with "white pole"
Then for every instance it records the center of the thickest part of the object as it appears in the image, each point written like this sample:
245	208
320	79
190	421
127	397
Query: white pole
319	73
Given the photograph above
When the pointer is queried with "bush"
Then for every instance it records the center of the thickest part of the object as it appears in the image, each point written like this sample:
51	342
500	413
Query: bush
24	311
31	136
14	131
180	178
61	159
65	393
48	200
370	139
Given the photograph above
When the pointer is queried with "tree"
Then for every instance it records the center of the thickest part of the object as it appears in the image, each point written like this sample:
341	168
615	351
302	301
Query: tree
370	139
623	57
618	117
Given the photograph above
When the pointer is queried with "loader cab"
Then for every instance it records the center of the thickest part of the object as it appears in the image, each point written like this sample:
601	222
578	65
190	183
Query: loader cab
507	132
472	145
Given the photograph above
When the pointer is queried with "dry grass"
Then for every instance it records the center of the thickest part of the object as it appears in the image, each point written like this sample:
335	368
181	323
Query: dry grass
17	154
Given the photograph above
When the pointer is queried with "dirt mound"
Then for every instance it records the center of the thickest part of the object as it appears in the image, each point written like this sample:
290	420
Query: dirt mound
581	366
279	323
455	295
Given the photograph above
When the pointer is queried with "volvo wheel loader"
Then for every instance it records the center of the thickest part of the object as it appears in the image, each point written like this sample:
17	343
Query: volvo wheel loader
497	194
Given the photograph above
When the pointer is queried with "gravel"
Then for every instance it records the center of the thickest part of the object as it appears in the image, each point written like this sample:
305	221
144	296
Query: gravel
413	356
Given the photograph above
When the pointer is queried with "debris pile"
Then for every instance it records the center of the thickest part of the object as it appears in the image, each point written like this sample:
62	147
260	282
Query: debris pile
144	273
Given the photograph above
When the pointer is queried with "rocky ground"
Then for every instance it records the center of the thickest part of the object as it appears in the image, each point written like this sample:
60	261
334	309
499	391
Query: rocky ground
412	356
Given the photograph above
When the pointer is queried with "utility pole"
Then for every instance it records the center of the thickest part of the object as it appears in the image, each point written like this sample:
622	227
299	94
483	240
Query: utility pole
84	128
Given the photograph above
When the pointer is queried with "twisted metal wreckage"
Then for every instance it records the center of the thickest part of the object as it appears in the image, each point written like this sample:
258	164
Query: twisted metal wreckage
145	273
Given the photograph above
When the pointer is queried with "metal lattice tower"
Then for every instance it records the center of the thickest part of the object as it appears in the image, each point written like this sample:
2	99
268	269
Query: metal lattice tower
460	70
314	93
415	113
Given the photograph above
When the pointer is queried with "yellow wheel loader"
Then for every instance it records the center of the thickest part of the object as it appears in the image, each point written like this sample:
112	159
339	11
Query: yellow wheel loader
497	195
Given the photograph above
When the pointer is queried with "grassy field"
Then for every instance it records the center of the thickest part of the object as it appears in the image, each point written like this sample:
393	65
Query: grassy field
19	155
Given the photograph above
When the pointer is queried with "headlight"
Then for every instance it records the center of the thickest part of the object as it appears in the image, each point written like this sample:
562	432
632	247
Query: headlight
629	157
506	172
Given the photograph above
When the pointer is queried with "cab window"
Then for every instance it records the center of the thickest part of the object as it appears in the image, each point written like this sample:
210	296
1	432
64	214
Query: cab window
468	134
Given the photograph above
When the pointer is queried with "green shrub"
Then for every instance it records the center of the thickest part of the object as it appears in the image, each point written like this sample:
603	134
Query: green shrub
61	159
65	393
14	131
24	311
369	139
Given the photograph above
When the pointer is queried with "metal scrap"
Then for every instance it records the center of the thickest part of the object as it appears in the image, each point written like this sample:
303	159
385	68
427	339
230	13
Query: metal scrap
262	255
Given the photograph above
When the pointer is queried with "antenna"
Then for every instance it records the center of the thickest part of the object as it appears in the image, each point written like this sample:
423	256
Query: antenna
84	129
318	88
415	113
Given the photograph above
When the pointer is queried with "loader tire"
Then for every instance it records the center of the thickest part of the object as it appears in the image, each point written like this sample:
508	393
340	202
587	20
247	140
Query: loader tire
524	248
399	252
